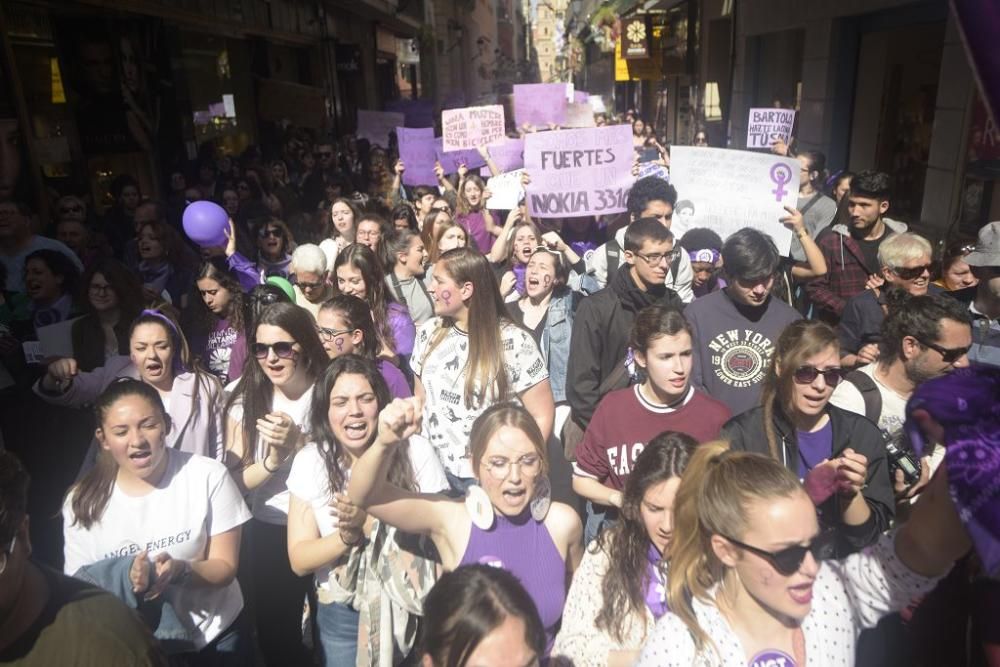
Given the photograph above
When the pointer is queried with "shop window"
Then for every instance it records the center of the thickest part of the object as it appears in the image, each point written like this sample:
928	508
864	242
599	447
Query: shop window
713	108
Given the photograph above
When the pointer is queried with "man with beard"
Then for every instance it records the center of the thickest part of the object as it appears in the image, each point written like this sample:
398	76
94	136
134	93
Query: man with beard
850	247
922	337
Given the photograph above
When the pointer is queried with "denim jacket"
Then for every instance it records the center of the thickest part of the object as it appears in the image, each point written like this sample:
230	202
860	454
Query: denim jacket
556	337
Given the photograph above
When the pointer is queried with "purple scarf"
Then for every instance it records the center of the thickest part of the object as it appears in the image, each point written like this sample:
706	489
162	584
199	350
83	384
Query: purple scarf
966	402
656	589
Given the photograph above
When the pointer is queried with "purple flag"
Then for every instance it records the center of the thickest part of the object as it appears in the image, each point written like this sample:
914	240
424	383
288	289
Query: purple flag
417	113
416	150
508	155
979	23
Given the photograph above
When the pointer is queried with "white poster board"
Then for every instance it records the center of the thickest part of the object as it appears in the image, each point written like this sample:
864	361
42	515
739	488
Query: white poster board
729	190
765	126
505	190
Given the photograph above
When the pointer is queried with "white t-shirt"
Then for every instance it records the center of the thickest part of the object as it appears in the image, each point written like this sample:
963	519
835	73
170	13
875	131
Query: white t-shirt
269	501
195	500
308	481
447	421
848	397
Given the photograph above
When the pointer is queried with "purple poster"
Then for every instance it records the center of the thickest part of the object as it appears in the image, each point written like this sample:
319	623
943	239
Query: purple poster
451	160
539	104
509	155
578	172
416	150
579	96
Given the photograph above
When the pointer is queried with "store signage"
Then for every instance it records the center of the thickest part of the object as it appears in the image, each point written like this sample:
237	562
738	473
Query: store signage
637	32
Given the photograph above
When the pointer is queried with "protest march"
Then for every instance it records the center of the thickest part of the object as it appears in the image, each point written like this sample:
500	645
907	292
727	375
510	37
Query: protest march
508	382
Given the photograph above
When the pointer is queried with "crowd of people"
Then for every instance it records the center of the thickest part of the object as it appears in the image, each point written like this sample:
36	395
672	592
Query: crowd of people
383	424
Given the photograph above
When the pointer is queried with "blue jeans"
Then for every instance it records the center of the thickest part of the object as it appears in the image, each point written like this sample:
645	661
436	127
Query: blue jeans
599	517
233	648
338	634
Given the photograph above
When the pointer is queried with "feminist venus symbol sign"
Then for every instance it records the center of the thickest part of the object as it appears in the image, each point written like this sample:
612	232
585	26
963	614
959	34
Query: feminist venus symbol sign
781	175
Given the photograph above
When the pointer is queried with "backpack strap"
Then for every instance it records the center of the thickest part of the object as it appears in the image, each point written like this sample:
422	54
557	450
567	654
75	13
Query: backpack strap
613	254
869	393
675	265
809	204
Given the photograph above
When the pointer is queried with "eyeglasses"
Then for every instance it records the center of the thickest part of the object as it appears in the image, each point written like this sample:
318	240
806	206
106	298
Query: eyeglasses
948	355
788	561
275	233
71	209
328	335
808	375
282	349
656	258
101	289
6	553
911	273
305	286
499	467
446	209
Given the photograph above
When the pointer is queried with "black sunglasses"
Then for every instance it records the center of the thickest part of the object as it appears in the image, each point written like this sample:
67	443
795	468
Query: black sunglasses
283	350
912	273
808	375
788	561
948	355
264	233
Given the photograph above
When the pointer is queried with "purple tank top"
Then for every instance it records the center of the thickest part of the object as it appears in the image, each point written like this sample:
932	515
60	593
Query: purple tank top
523	547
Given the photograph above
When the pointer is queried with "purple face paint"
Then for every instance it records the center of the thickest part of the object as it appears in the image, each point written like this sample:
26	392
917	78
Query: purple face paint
546	280
781	175
339	342
446	297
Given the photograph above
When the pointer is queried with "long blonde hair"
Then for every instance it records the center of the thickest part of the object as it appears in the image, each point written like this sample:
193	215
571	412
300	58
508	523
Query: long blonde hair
799	341
485	372
712	499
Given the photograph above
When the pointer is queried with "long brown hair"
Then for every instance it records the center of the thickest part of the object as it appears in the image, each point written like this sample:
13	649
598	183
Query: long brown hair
434	251
485	370
377	295
627	543
712	499
90	496
464	208
799	341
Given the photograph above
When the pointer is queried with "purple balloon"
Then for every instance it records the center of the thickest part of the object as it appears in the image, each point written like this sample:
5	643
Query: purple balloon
205	223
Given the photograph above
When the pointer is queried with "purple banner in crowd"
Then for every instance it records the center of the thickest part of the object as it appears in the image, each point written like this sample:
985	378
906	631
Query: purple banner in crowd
416	150
417	113
979	23
470	157
580	96
578	172
508	155
539	104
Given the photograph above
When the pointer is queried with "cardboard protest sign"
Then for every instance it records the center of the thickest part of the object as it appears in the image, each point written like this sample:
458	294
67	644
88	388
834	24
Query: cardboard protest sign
578	172
579	115
451	160
417	113
580	96
375	126
505	190
416	150
597	104
727	190
472	127
766	126
539	104
508	155
653	169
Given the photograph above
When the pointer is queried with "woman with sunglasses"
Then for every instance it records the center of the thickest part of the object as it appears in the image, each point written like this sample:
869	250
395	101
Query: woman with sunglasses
161	529
471	356
508	518
839	455
747	583
114	300
358	272
217	322
158	356
267	419
620	589
345	326
274	249
324	526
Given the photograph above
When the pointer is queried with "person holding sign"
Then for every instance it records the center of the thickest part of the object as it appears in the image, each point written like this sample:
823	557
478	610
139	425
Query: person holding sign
763	594
481	223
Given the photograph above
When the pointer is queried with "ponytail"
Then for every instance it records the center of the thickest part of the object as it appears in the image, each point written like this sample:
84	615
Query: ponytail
712	499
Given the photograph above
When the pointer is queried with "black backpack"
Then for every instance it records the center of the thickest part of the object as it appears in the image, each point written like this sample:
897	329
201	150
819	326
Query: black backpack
869	393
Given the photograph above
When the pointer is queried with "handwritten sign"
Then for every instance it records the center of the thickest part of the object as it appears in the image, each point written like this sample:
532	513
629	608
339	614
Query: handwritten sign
578	172
579	115
472	127
727	190
539	104
506	190
452	160
416	150
375	126
653	169
766	126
